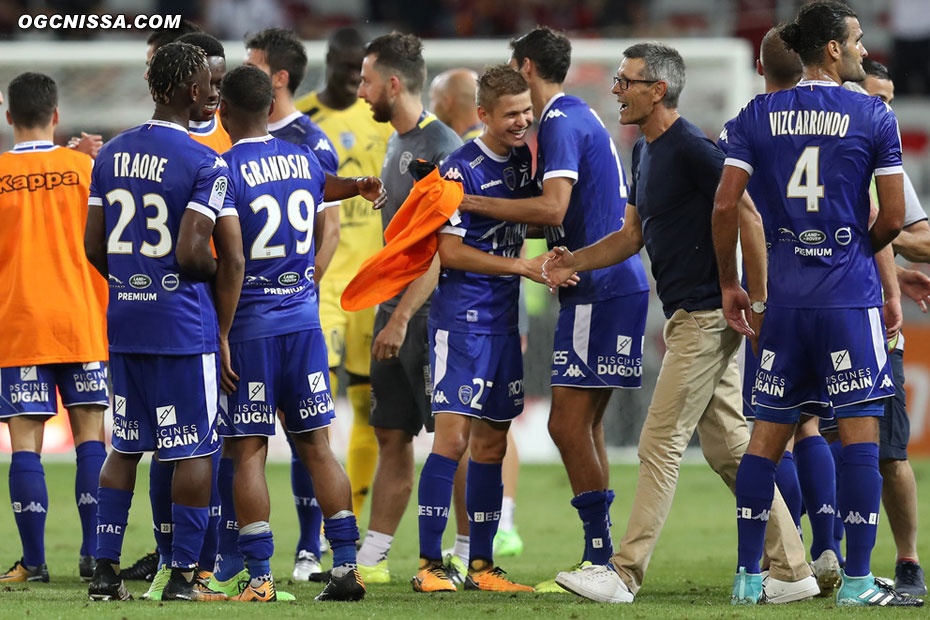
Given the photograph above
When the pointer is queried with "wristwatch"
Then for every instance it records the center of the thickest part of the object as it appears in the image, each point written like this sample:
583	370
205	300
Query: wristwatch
757	306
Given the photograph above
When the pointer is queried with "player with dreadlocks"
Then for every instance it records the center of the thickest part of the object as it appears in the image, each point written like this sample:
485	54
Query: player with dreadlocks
155	201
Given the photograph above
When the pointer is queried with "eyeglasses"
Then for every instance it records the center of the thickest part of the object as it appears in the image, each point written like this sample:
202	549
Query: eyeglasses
625	83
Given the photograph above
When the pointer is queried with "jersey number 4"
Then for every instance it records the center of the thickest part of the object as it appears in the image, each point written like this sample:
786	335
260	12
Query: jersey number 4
808	168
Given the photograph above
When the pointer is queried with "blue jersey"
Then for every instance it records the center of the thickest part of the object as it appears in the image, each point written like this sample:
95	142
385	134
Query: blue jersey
277	187
299	129
145	179
573	143
472	302
811	152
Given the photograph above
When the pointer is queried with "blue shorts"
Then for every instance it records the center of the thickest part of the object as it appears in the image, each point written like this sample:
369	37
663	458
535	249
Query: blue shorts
166	404
30	390
600	345
288	372
821	360
478	375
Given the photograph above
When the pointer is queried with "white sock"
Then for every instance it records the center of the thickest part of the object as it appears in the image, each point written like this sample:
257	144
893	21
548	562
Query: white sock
508	506
375	548
462	545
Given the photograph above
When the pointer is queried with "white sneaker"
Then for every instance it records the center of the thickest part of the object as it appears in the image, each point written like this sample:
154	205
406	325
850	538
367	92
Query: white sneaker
778	592
827	571
306	564
596	582
324	544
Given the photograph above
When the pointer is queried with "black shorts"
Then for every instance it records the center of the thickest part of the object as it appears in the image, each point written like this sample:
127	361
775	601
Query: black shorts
401	387
894	428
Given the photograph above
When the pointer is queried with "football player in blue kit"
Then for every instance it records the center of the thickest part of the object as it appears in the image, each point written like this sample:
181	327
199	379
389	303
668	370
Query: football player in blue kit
817	146
156	200
276	350
475	357
584	194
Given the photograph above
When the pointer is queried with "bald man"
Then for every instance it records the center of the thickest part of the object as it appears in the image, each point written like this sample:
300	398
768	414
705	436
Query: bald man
452	100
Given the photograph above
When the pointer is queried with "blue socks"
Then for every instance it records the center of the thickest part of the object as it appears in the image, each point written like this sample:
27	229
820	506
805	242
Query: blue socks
160	477
309	515
859	499
29	497
190	523
434	496
817	476
257	545
90	458
342	534
484	492
592	510
208	551
755	488
786	477
112	515
229	559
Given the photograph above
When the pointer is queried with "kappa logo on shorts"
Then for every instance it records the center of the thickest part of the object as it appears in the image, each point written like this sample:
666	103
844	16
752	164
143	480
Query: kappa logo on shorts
91	366
573	371
257	391
841	360
887	382
624	345
166	416
119	405
766	359
28	373
317	382
439	397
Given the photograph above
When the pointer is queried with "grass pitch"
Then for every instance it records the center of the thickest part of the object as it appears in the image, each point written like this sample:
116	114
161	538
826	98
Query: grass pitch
690	575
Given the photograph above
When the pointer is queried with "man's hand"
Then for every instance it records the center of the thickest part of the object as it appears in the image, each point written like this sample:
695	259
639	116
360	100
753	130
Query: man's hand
389	340
88	143
915	285
736	310
228	376
372	190
893	317
558	268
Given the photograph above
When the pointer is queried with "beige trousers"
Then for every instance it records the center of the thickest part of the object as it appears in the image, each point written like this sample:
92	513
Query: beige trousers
698	387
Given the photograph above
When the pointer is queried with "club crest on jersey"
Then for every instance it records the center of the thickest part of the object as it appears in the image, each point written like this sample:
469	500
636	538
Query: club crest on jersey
405	158
465	393
347	139
510	178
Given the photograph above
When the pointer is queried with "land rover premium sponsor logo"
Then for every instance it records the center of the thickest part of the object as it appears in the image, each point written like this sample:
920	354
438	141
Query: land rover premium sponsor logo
140	280
288	278
812	237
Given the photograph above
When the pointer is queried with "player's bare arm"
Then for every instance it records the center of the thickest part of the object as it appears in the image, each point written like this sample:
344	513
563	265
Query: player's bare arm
725	224
454	254
752	243
95	242
891	292
326	240
369	188
890	218
913	243
230	270
915	284
612	249
390	339
193	249
545	210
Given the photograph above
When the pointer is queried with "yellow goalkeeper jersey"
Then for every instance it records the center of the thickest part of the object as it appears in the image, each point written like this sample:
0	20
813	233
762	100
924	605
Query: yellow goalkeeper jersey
360	143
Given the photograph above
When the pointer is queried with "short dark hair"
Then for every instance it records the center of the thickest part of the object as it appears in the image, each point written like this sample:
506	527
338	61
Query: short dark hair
33	98
283	51
157	38
661	63
875	69
550	51
248	89
497	81
401	55
779	64
172	65
346	37
210	45
817	24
